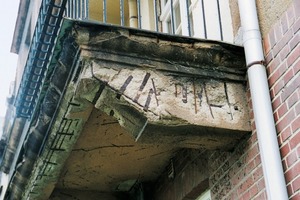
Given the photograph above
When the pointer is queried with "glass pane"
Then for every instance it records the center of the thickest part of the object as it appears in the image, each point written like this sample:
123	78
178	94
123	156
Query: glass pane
177	17
191	20
169	26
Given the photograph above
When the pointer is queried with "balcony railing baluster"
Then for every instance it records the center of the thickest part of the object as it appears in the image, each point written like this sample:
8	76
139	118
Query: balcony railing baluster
104	11
172	17
156	15
188	17
220	20
204	19
139	14
79	9
166	17
122	14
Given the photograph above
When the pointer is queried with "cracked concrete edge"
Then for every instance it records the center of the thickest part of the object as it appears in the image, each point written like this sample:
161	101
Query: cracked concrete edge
41	186
113	100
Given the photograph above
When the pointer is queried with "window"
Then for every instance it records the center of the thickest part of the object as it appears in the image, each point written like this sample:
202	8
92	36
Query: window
171	16
209	19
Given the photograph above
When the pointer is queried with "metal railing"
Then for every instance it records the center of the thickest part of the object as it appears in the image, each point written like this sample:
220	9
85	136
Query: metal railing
47	26
77	9
199	18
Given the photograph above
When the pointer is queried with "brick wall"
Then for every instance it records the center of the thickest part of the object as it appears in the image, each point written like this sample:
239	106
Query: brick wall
282	50
238	174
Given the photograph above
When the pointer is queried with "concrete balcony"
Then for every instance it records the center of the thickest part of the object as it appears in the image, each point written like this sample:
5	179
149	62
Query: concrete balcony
134	97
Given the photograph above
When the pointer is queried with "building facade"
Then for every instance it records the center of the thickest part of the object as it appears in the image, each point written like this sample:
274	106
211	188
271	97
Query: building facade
150	99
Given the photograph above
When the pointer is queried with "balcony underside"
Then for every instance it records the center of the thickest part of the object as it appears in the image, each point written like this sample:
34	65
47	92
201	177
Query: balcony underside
134	99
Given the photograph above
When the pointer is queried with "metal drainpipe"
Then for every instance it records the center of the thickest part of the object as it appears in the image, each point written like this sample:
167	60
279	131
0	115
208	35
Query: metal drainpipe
263	113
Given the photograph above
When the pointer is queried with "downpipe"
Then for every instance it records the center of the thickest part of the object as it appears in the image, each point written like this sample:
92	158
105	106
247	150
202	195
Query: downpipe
261	102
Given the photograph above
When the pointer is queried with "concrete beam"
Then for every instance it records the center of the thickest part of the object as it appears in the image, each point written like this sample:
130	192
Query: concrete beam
165	89
160	108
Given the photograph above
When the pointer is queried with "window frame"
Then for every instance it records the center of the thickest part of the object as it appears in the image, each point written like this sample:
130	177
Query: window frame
195	22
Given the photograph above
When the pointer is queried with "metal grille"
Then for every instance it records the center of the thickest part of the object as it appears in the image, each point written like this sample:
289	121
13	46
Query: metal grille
77	9
210	12
45	33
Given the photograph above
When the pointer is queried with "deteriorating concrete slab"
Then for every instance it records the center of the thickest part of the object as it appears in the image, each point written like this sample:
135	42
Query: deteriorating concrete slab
165	89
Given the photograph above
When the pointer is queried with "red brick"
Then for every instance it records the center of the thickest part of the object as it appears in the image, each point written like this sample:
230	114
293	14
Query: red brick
296	124
296	197
294	41
246	196
294	55
261	196
277	73
285	121
273	65
296	67
296	184
257	173
284	52
288	76
268	57
284	164
257	160
284	150
250	166
276	102
283	41
292	173
291	158
282	110
290	190
247	184
253	190
272	93
297	108
292	99
290	88
278	139
252	152
285	134
278	87
276	117
260	184
295	140
267	45
253	139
